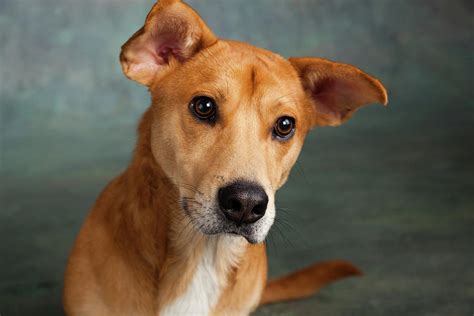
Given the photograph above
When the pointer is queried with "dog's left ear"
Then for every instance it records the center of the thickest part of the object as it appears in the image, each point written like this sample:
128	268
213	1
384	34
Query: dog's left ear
337	90
173	32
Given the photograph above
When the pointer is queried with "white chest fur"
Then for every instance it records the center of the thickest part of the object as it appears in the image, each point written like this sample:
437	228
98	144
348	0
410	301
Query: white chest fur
219	255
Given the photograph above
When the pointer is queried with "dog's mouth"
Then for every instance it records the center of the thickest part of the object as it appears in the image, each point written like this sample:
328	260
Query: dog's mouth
246	233
211	221
222	226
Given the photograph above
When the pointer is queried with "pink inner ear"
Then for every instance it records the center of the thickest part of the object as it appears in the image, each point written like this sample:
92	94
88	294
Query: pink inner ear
167	47
143	58
335	96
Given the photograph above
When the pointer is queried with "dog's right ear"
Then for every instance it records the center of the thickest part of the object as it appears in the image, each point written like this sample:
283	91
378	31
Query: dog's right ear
173	32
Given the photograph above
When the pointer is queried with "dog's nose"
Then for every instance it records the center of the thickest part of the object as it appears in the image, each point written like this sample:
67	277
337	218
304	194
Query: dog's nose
243	202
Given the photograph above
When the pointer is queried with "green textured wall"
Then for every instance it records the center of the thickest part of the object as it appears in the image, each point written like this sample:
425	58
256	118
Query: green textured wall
392	190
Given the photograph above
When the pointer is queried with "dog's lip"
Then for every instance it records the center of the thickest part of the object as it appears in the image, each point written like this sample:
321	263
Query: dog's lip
226	226
235	233
248	236
232	232
245	230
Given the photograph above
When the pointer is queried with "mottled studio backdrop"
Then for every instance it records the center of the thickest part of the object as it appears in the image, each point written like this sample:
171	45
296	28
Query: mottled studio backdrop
392	190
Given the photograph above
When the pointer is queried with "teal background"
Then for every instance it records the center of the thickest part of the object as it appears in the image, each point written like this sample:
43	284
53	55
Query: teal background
392	190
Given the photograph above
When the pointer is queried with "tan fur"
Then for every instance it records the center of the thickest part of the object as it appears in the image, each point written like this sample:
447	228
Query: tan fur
138	250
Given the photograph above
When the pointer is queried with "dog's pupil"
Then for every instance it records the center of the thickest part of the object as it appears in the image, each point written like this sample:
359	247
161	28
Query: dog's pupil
285	125
204	106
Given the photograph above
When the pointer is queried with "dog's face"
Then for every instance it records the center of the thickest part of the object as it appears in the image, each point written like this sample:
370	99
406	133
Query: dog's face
231	115
229	119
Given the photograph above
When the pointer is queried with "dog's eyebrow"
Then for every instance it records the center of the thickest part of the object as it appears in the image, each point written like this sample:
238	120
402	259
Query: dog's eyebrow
214	91
286	100
221	94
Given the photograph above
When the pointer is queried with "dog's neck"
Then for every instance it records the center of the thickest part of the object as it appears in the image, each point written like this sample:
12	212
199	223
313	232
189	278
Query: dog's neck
157	236
198	272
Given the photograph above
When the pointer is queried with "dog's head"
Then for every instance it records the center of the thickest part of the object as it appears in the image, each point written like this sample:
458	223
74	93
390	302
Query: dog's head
229	119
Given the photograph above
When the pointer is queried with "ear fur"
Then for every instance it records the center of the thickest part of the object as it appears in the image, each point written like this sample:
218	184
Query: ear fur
337	90
173	31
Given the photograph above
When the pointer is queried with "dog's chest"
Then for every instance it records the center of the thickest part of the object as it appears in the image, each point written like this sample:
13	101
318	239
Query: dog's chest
207	282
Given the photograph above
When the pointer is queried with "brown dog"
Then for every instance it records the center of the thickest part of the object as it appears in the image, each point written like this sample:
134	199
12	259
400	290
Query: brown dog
181	231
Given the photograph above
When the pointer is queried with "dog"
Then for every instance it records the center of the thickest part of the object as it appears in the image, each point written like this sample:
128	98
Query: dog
181	231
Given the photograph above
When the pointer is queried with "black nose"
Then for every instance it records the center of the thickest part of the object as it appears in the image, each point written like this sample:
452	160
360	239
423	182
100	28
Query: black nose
243	202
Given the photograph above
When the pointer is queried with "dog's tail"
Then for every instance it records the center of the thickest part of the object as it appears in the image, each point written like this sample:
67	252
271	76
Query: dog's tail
307	281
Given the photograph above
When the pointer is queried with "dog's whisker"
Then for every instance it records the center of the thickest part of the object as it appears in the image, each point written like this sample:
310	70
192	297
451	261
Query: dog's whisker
285	208
270	235
290	214
282	235
288	225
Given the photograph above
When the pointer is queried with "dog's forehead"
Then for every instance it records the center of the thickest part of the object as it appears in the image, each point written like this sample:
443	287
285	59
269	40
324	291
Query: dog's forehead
232	67
240	58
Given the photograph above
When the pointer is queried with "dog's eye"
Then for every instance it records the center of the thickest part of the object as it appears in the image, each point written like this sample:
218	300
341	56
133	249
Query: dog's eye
204	108
284	128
